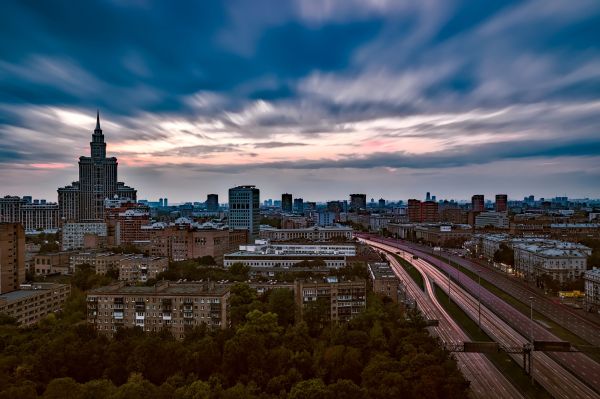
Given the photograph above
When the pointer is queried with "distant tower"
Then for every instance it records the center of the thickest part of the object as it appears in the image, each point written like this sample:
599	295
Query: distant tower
286	202
428	196
212	202
244	210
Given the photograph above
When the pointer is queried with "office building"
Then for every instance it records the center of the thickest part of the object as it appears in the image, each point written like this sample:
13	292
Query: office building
12	256
212	203
496	220
32	302
501	204
244	210
316	233
174	306
298	205
358	202
478	203
83	201
343	300
381	203
325	218
286	202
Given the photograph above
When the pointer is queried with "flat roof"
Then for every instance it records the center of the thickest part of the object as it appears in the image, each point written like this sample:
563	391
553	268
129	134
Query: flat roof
168	288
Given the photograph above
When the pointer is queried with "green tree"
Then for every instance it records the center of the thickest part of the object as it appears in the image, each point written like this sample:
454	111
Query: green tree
309	389
281	302
63	388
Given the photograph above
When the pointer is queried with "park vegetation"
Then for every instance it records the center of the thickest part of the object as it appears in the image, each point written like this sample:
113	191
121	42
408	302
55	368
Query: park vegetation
266	353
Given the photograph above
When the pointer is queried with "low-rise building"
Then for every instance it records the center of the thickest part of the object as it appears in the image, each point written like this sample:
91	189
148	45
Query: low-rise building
33	302
51	263
168	305
285	255
384	281
102	262
592	290
562	261
315	233
496	220
341	300
140	268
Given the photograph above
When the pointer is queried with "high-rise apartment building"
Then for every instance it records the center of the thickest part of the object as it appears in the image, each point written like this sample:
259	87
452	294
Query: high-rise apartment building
286	202
422	212
501	203
358	201
12	256
84	200
212	203
244	210
33	215
477	203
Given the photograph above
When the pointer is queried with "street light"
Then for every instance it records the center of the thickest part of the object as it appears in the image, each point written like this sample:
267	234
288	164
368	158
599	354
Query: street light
479	298
531	338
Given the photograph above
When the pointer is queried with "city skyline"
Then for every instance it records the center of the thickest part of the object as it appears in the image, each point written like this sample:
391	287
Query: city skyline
318	99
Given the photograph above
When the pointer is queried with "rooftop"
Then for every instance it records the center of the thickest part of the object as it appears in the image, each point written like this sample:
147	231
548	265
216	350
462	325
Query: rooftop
164	288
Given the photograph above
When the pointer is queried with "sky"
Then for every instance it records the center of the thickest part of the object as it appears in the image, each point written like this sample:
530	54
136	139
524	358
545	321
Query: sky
318	98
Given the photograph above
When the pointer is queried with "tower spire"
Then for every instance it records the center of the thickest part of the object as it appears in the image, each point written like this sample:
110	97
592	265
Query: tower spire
98	120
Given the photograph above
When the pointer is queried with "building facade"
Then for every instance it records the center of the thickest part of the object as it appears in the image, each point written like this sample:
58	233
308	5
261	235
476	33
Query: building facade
501	204
176	307
212	203
496	220
384	281
592	290
12	256
286	203
140	268
478	203
562	261
342	300
98	181
244	210
73	234
358	201
33	302
316	233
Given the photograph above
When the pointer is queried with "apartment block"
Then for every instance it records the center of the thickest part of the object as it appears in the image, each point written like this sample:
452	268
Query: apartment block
316	233
33	302
102	262
174	306
140	268
343	300
74	234
592	290
12	256
383	280
59	262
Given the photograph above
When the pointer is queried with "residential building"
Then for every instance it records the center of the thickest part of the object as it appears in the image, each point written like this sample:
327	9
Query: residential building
342	300
12	256
384	281
33	215
140	268
592	290
325	218
187	241
124	224
45	264
102	262
244	210
422	212
73	234
501	204
33	302
315	233
478	203
84	200
176	307
562	261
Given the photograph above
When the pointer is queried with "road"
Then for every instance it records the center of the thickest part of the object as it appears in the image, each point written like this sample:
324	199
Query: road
477	368
556	378
584	327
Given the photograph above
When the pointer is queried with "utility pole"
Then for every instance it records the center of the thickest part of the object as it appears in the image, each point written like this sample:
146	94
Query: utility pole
479	298
531	339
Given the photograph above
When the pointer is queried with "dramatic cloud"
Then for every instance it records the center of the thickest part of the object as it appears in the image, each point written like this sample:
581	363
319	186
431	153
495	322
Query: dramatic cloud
319	98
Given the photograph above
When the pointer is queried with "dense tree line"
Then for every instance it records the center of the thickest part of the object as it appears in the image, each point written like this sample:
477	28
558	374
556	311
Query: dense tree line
382	353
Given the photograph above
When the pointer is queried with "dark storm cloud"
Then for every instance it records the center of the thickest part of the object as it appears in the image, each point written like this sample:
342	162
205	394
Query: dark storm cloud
523	75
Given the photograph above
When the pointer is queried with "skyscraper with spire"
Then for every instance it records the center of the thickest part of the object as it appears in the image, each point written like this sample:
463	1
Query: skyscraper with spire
83	200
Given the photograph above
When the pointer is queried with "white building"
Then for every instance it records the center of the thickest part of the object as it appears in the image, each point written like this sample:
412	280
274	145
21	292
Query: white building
497	220
592	289
74	233
325	218
562	261
264	254
315	233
